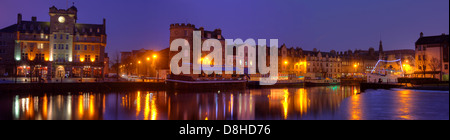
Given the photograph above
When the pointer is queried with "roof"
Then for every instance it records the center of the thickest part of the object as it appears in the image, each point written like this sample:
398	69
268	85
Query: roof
433	40
44	27
9	29
87	29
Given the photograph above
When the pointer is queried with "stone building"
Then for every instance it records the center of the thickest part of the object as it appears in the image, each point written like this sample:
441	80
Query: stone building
55	49
315	64
432	57
358	63
185	31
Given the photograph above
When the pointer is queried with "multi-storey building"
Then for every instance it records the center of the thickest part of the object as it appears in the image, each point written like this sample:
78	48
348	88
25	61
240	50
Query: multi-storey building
432	57
59	48
297	62
361	62
185	31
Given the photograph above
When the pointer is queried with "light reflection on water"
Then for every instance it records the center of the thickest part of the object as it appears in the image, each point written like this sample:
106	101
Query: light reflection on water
254	104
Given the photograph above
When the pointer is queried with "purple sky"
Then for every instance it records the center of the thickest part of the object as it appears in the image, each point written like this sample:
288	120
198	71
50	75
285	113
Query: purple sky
321	24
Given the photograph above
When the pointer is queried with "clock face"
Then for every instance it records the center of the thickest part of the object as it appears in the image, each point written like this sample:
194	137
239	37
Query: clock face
61	19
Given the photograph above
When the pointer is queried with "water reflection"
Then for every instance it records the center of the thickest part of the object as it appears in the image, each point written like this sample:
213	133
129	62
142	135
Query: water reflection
258	104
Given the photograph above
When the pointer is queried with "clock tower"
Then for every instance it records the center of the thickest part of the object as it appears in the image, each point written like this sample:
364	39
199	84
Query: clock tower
62	25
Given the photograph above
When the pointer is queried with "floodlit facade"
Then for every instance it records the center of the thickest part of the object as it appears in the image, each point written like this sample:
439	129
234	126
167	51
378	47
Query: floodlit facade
432	57
59	48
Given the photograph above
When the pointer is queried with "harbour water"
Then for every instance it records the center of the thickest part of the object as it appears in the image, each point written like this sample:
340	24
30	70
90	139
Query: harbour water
311	103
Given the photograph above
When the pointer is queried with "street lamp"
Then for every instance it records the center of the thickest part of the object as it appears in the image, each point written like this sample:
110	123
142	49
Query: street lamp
156	71
137	67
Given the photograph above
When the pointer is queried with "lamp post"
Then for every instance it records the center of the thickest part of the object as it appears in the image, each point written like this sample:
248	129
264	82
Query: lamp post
137	67
156	72
285	66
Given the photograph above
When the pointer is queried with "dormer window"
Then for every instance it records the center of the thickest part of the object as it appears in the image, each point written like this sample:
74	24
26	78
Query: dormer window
24	27
98	30
90	30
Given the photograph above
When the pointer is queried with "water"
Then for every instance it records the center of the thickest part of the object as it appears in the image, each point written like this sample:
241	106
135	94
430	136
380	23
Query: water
322	103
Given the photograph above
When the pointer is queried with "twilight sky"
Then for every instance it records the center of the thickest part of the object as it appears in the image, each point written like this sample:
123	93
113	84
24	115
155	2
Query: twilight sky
321	24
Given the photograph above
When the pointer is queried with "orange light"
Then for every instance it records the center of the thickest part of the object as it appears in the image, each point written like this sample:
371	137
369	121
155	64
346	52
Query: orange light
148	58
82	59
139	62
46	59
285	62
155	56
355	65
92	60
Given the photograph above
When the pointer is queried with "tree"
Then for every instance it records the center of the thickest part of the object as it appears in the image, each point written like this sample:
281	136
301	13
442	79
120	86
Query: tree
435	64
115	63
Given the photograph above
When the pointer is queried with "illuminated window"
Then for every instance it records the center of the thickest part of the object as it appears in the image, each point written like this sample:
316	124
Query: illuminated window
40	46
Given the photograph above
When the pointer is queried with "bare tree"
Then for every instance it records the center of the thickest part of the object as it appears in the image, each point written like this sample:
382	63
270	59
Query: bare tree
435	64
116	63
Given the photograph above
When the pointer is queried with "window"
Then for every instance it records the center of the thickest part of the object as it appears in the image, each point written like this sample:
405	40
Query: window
54	46
67	46
67	37
96	58
446	66
93	48
60	36
54	36
424	67
40	46
85	47
420	57
420	48
424	57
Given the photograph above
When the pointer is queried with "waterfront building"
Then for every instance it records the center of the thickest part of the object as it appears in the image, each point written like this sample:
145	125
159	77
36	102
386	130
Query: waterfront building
185	31
56	49
359	63
298	63
431	57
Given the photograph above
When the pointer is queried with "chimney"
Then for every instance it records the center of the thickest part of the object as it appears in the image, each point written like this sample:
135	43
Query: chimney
19	18
421	34
104	25
202	31
34	19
